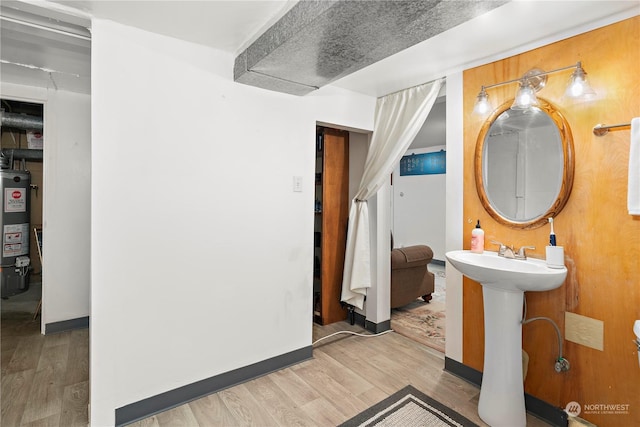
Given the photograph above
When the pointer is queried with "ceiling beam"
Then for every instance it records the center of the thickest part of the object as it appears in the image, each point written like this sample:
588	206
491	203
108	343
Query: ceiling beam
318	42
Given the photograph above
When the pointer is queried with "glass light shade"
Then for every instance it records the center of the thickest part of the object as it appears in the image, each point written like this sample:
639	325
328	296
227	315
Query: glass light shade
482	103
525	97
578	84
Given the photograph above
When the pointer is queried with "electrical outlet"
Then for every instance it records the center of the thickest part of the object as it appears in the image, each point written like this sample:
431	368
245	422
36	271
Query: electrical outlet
584	330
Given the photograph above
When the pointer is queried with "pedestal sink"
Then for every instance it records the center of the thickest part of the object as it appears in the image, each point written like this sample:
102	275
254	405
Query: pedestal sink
504	282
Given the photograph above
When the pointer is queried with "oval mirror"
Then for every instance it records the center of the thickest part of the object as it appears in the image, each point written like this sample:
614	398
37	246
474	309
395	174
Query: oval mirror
524	164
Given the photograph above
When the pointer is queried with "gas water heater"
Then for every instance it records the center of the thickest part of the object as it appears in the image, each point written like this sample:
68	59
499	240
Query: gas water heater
16	204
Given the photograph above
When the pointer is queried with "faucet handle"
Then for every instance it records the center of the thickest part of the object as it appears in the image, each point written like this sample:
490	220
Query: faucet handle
522	253
503	247
508	253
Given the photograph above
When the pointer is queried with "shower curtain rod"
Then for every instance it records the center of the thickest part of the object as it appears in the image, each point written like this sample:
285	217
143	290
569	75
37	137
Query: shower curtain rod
600	129
443	79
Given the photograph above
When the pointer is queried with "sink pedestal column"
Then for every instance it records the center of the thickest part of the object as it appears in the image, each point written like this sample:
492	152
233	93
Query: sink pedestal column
502	391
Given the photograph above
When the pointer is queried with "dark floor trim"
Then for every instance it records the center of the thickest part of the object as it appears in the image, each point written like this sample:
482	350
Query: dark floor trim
546	411
465	372
179	396
66	325
376	328
536	407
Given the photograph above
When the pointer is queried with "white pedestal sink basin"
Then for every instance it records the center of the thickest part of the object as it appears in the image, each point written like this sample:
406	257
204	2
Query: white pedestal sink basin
504	282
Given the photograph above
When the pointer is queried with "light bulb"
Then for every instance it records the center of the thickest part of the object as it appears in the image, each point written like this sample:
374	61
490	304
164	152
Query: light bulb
525	97
578	84
482	103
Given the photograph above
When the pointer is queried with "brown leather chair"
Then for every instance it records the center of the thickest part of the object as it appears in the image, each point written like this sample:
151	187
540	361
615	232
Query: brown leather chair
410	278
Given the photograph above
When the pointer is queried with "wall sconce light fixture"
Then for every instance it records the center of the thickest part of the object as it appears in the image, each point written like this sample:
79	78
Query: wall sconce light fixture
531	82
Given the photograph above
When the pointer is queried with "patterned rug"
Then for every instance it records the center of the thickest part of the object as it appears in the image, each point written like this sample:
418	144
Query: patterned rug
409	408
424	322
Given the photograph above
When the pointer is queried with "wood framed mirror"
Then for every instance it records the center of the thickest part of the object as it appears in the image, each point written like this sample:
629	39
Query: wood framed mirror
524	164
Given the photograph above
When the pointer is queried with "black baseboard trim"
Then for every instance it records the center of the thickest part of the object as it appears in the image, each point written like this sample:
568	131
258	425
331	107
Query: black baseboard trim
179	396
66	325
539	408
463	371
376	328
546	411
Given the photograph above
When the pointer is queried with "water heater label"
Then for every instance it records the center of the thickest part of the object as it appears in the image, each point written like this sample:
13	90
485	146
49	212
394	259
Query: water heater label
15	240
15	199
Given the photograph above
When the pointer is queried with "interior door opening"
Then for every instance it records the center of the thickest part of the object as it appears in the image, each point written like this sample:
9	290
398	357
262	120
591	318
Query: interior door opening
418	282
22	164
340	159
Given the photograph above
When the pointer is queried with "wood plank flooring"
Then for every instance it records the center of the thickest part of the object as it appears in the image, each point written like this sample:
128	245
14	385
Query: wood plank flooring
45	379
347	375
45	382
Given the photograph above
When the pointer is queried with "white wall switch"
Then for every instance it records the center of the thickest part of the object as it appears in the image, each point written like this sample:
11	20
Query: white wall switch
297	184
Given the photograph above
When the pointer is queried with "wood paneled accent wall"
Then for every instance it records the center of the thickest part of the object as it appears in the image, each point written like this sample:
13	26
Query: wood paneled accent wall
601	240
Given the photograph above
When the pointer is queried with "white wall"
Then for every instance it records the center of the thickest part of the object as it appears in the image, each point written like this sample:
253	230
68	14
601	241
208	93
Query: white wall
358	148
453	223
378	301
219	276
66	200
419	208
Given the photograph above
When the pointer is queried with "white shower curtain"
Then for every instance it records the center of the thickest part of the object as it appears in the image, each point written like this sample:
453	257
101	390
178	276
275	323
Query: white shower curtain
398	118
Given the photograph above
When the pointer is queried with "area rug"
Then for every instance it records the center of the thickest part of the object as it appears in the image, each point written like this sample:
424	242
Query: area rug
422	322
425	322
409	407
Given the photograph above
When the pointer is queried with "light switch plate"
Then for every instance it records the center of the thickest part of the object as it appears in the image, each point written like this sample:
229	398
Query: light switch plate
297	184
584	330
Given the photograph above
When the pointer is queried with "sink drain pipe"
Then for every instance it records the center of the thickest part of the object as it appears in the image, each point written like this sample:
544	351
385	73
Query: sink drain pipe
561	364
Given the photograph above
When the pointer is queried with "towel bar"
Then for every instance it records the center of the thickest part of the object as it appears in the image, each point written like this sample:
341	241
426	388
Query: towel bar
600	129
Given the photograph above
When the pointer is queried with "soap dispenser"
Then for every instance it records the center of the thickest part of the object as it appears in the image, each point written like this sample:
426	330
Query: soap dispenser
477	239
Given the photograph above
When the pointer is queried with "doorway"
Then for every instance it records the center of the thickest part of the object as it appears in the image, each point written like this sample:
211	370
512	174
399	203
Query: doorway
418	218
21	144
327	270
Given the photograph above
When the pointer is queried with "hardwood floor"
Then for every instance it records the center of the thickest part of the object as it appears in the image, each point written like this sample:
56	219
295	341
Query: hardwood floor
45	382
347	375
45	379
